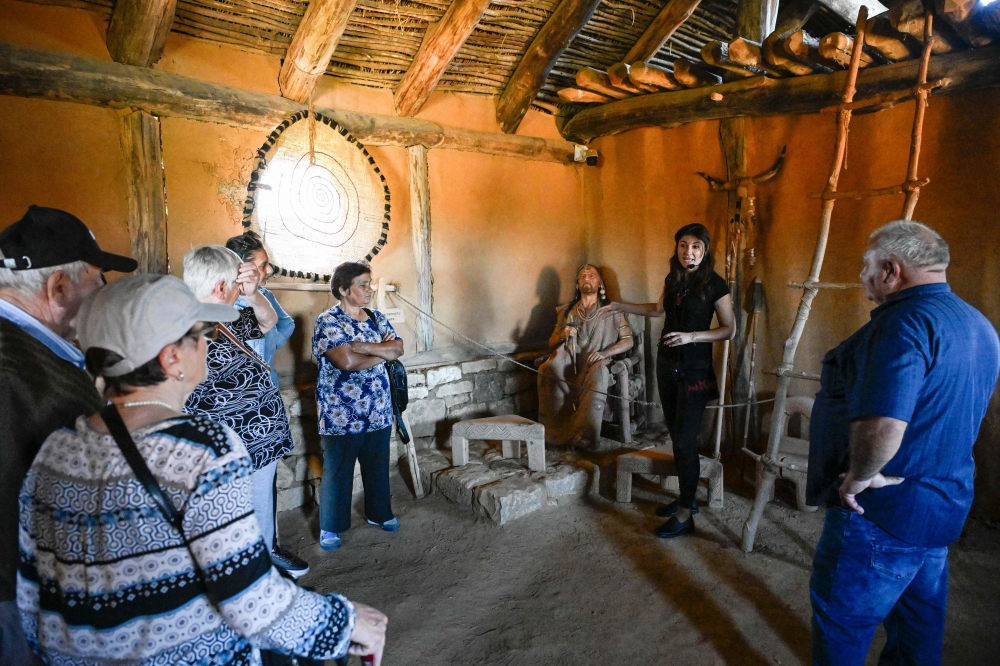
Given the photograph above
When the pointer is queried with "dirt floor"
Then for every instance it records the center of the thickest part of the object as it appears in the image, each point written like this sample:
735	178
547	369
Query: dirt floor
586	583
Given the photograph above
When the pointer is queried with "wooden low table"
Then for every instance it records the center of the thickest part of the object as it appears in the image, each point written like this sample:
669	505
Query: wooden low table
660	460
508	429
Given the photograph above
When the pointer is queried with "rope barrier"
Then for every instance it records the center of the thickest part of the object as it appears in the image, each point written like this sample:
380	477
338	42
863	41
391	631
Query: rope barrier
494	352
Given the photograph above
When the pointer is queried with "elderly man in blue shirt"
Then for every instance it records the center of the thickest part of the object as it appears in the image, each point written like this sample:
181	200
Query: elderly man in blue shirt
892	430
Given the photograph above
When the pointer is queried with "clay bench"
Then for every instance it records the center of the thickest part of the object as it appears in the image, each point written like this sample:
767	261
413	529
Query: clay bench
509	430
660	461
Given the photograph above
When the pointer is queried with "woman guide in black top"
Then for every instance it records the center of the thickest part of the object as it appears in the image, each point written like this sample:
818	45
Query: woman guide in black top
692	294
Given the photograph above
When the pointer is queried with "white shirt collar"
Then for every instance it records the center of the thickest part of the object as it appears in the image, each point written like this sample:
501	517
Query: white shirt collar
36	329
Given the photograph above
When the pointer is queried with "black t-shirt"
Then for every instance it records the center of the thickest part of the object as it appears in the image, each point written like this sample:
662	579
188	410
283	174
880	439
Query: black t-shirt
686	312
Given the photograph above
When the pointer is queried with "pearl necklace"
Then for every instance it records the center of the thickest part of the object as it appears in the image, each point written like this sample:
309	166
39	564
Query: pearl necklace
142	403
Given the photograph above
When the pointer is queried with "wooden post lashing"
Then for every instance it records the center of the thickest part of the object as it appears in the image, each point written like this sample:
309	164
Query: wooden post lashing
147	197
420	223
766	487
913	193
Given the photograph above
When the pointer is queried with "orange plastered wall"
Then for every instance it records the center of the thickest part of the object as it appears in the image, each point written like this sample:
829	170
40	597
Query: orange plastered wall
647	188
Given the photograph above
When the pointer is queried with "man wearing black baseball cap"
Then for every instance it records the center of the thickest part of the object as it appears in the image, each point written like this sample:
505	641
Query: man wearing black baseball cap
49	263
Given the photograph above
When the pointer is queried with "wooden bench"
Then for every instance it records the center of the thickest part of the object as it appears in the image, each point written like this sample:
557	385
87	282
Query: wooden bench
660	461
508	429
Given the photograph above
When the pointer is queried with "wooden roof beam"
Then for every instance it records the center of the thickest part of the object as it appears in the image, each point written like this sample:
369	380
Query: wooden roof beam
848	9
442	41
315	40
552	39
760	96
138	30
37	73
671	17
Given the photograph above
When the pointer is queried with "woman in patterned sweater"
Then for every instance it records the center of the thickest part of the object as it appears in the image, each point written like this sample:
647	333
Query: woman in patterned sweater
104	577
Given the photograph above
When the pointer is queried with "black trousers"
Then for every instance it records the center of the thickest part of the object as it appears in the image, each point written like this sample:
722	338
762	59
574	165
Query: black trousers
340	452
682	413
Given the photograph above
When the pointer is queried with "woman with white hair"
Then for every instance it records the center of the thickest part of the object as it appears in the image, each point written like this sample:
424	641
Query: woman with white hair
138	542
239	390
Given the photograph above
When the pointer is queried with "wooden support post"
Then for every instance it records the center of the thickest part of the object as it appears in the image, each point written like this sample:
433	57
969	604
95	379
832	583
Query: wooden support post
662	28
420	223
765	488
441	42
563	26
138	30
315	40
755	19
147	198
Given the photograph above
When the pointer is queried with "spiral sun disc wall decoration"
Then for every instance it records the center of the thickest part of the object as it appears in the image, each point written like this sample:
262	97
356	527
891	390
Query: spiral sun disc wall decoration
316	211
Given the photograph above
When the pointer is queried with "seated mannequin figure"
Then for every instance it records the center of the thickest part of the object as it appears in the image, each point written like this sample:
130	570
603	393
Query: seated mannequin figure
573	383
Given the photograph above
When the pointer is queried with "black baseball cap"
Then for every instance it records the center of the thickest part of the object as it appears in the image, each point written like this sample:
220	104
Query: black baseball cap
47	237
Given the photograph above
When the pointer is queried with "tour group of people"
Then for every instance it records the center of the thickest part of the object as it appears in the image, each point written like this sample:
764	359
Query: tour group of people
137	494
141	425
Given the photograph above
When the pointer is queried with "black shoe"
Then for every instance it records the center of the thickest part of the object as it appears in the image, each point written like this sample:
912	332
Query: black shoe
293	565
674	528
668	510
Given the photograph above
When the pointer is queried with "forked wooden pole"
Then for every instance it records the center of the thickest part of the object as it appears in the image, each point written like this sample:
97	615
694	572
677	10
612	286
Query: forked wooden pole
766	488
913	191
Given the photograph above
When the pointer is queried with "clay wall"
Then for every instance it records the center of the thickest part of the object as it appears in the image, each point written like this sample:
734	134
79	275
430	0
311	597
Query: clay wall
647	187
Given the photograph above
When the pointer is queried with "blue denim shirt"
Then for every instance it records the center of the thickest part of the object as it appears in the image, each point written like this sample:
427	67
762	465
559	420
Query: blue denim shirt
275	338
932	360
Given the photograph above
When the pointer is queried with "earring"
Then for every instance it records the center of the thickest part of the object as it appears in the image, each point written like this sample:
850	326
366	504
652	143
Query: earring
180	377
602	292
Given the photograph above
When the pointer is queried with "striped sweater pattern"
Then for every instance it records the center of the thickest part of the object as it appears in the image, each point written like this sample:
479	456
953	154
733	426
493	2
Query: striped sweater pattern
104	578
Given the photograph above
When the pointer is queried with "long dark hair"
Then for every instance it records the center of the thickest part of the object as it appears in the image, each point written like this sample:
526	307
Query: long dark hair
245	244
680	280
602	293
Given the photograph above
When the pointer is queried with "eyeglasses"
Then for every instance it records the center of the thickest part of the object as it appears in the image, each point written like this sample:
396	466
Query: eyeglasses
210	332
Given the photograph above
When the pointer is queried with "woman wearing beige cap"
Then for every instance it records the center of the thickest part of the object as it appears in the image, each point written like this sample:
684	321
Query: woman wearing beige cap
141	546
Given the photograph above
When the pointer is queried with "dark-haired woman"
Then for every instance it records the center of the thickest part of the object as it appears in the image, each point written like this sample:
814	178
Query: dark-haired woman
250	249
692	294
351	343
573	380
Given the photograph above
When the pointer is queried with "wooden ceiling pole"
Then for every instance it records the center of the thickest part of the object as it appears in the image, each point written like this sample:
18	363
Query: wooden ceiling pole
312	46
975	69
671	17
442	41
555	36
37	73
139	29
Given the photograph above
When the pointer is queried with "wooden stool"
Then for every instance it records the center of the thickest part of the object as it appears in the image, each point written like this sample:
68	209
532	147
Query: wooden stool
660	460
508	429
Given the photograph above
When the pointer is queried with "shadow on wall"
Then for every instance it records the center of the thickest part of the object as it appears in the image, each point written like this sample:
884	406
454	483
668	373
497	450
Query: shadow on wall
542	320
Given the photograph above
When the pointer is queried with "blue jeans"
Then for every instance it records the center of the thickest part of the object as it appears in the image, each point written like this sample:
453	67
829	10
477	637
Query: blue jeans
340	452
262	488
862	577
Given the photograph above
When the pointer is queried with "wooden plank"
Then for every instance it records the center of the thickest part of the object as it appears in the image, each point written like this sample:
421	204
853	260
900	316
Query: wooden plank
552	39
644	73
761	96
662	28
889	42
442	41
138	30
29	72
793	16
420	224
582	96
147	199
908	17
312	46
597	81
755	19
838	47
848	9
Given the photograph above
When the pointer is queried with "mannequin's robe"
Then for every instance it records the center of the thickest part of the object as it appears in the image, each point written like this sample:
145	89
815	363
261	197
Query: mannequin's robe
571	414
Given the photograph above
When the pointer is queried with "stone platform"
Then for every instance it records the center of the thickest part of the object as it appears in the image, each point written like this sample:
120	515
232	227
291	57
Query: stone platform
502	489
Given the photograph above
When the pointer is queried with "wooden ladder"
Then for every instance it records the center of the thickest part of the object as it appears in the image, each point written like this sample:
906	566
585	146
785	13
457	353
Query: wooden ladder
910	188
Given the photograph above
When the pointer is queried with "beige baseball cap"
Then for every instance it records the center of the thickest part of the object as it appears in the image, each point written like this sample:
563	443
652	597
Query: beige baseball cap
138	315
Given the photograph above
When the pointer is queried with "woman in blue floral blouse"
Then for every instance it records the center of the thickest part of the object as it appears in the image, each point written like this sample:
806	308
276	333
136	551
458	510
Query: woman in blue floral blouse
351	343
